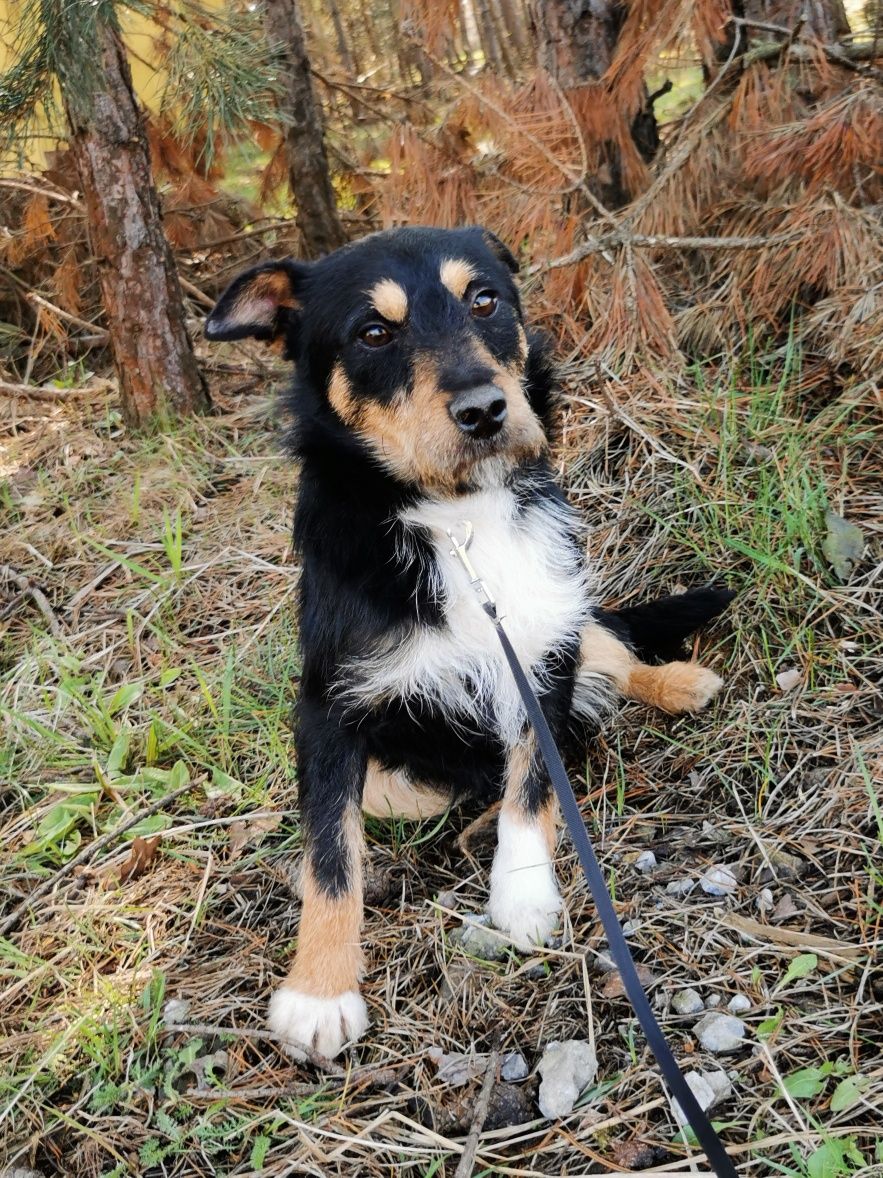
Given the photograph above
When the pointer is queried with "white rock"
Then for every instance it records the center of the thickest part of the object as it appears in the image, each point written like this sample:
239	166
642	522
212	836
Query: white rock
713	1000
513	1067
718	881
765	900
175	1011
709	1088
687	1002
680	887
630	928
566	1068
479	940
646	861
789	679
738	1004
719	1032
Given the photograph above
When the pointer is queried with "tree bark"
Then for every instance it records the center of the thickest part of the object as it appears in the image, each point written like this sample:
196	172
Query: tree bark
154	360
308	175
576	42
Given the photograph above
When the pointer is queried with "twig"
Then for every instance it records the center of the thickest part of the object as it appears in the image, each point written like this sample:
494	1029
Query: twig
52	193
195	292
597	245
467	1157
314	1057
37	595
38	393
33	297
84	856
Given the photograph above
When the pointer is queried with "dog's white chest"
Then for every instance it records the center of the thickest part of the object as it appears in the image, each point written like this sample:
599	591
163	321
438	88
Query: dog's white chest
535	572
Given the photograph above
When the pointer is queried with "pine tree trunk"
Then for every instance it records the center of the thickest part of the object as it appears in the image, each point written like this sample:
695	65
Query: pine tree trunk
308	174
157	370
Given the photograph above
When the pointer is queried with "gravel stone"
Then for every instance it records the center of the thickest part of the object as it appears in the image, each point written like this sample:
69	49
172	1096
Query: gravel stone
709	1088
475	936
718	881
513	1067
646	861
687	1002
738	1004
680	887
567	1068
719	1032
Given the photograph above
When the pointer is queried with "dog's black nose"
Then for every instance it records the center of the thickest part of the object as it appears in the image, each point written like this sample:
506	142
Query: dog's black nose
479	412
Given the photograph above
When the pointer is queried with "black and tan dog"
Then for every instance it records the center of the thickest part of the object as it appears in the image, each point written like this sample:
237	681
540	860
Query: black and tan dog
420	402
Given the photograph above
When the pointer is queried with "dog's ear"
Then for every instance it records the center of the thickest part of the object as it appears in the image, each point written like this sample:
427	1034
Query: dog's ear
261	303
502	251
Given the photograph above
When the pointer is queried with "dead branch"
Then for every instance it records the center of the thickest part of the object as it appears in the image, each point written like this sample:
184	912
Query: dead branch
479	1116
39	393
39	598
40	300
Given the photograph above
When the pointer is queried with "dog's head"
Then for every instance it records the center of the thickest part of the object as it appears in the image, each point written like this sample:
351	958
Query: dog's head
413	340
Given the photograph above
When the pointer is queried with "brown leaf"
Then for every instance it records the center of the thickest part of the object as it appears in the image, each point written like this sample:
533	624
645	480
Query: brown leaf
613	987
140	857
245	831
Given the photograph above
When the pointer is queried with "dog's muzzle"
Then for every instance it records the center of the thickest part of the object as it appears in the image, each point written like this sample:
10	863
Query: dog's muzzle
479	412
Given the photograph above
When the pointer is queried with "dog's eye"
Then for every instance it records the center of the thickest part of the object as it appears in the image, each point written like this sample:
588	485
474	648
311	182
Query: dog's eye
484	304
375	335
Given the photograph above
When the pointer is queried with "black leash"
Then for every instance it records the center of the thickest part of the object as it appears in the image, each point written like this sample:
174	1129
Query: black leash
619	950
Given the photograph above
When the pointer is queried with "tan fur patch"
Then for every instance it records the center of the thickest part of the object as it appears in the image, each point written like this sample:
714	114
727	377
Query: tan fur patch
275	285
673	687
601	653
392	795
456	274
390	300
329	958
518	767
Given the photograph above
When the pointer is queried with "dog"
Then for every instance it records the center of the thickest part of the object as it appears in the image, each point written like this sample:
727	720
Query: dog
420	401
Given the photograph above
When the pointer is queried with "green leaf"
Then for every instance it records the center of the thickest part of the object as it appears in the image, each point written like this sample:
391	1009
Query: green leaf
848	1092
806	1083
117	756
178	776
802	965
259	1152
769	1026
148	826
832	1159
169	675
843	545
123	697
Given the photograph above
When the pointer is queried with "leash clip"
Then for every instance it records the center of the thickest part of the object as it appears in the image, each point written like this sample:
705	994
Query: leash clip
460	550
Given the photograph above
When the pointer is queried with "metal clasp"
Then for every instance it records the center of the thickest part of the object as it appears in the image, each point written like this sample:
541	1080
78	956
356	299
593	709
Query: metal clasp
460	550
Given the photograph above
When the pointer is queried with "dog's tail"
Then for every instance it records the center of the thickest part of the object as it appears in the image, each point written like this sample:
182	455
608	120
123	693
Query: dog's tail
657	630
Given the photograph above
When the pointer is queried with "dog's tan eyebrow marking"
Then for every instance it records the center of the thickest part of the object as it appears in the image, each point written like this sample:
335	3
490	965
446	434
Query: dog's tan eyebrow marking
456	274
390	300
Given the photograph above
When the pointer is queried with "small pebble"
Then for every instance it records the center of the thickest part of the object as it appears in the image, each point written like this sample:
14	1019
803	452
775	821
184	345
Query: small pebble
709	1088
567	1068
447	899
738	1004
175	1011
478	940
718	881
789	679
765	900
513	1067
680	887
719	1032
713	1000
630	928
687	1002
646	861
456	1069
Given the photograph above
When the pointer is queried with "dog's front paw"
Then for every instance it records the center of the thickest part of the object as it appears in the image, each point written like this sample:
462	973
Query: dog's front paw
524	900
528	923
322	1024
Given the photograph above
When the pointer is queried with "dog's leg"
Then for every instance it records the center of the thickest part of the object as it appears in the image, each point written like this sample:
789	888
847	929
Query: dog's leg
319	1003
524	899
673	687
392	794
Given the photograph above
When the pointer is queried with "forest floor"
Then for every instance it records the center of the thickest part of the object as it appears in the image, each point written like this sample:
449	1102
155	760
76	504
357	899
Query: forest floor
152	681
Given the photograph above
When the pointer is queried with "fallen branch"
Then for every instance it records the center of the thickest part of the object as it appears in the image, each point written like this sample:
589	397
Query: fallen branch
39	598
597	245
40	393
479	1116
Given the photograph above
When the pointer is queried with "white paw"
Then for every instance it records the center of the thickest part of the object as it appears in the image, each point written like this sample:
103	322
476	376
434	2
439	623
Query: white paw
524	900
323	1024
